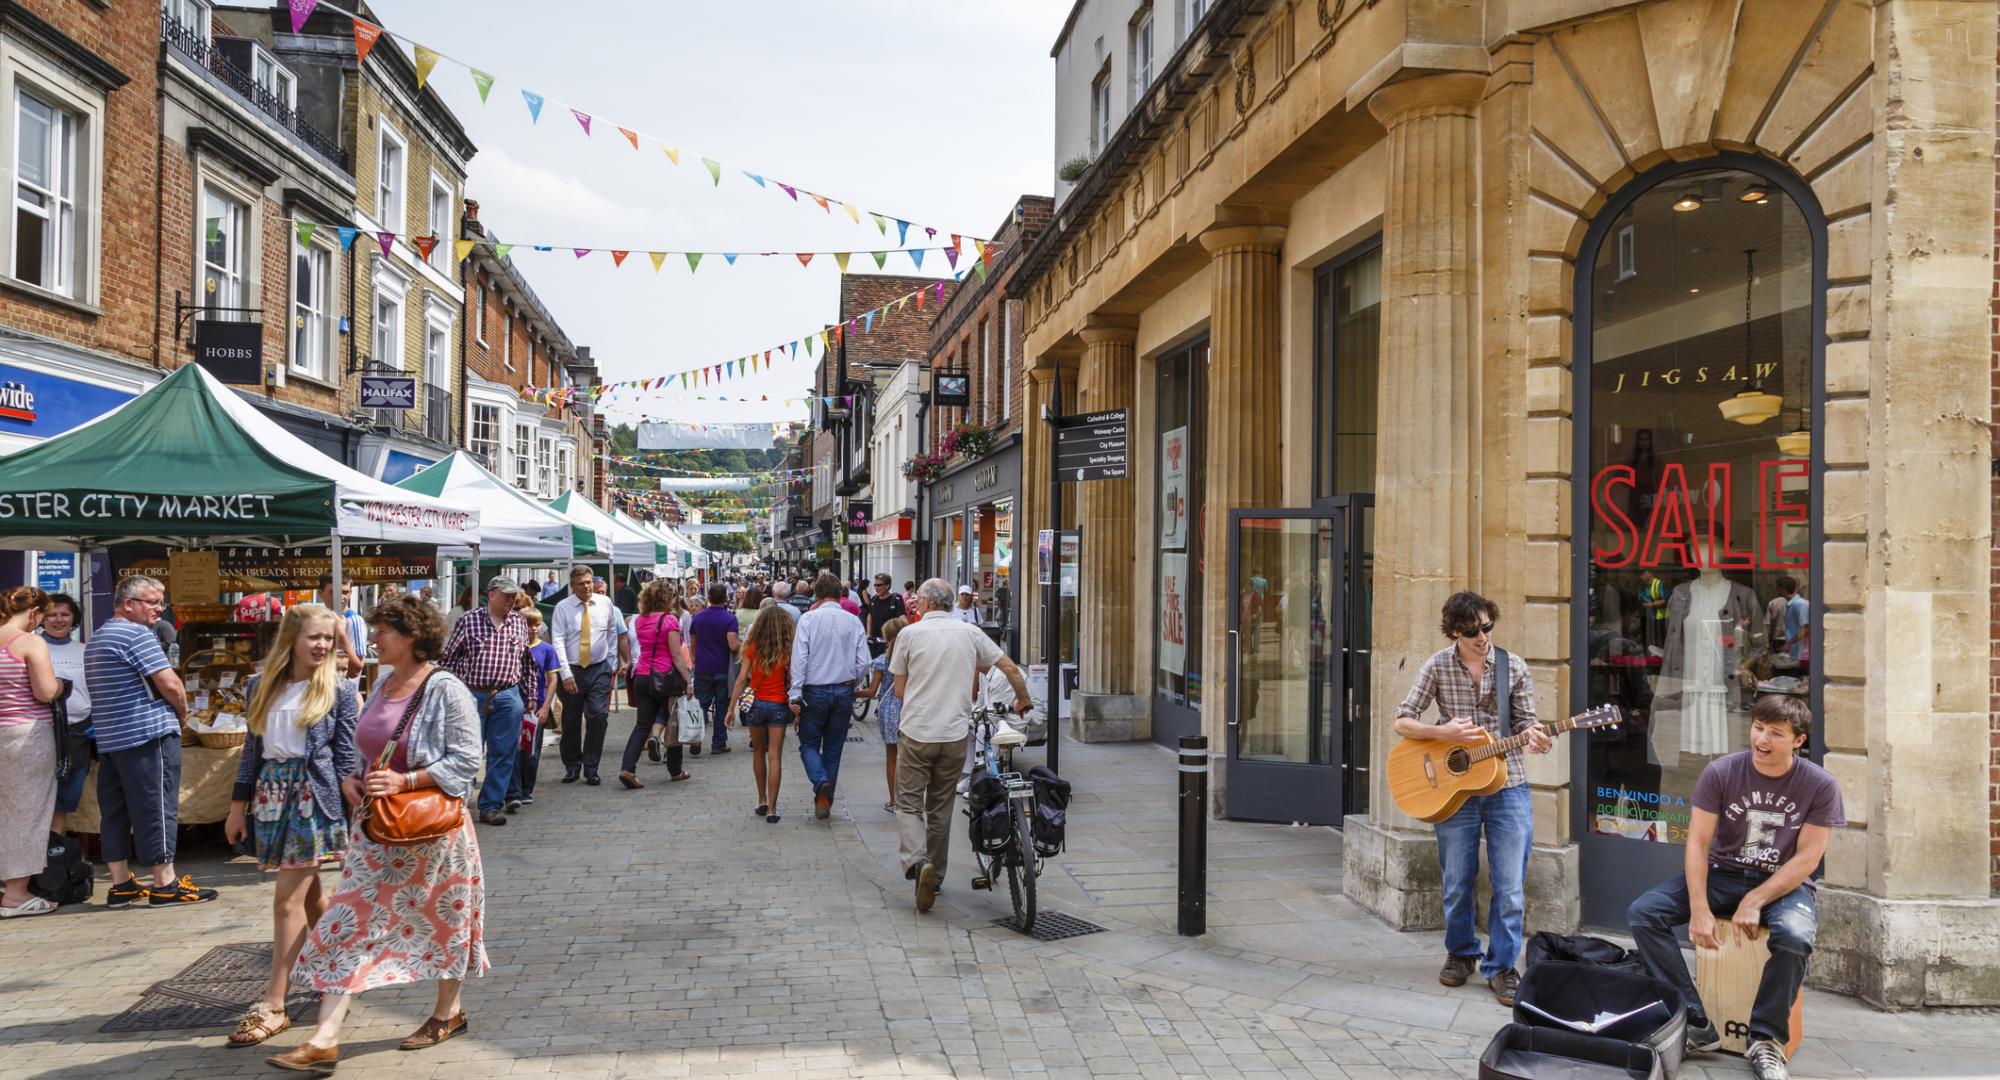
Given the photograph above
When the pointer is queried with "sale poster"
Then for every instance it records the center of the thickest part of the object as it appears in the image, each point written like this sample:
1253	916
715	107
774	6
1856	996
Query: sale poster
1173	612
1174	488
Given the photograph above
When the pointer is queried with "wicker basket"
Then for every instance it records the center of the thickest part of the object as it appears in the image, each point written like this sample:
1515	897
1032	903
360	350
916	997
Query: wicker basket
220	740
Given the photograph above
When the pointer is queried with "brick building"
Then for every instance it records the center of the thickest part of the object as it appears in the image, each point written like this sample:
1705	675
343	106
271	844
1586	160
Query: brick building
855	373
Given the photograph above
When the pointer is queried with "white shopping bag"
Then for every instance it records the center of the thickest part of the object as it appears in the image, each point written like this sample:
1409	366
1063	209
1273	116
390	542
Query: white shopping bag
688	712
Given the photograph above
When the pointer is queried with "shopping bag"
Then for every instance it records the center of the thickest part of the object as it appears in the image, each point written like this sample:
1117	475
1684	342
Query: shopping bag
688	714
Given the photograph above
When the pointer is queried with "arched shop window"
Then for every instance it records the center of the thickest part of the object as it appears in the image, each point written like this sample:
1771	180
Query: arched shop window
1700	308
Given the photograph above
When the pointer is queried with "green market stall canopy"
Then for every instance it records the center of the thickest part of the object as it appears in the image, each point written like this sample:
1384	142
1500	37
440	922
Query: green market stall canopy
512	526
189	458
633	546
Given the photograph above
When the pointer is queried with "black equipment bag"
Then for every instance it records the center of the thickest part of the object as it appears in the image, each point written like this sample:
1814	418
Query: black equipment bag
1051	820
991	828
1573	991
1521	1052
1581	949
67	878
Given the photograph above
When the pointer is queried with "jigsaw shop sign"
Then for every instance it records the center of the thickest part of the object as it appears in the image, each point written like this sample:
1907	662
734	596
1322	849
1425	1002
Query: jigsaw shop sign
1693	526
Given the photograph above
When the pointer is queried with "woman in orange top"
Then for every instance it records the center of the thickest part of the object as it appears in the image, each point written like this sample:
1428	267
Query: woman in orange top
766	670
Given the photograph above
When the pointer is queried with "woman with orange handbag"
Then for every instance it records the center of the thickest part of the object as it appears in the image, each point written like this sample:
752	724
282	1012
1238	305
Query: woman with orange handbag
411	902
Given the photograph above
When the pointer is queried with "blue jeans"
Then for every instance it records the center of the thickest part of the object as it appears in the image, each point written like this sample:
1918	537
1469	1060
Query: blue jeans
712	690
1509	826
1793	920
500	718
825	713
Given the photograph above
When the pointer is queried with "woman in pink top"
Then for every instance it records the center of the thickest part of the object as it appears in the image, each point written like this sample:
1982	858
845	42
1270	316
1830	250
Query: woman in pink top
659	679
27	750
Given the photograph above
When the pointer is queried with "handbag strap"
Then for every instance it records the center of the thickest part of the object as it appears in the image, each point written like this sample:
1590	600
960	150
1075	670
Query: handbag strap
1503	689
402	727
652	651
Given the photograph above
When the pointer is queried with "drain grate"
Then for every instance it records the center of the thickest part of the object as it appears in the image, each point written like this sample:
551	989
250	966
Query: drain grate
856	738
1054	926
211	992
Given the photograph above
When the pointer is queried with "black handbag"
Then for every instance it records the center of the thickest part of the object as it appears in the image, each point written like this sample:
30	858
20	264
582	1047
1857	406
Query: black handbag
665	685
59	714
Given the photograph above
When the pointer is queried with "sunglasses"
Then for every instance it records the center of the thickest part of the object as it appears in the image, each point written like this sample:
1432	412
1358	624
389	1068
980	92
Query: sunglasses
1481	630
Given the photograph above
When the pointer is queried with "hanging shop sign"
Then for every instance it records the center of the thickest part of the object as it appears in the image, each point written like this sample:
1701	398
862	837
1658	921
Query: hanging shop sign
233	352
951	387
264	569
388	391
1697	527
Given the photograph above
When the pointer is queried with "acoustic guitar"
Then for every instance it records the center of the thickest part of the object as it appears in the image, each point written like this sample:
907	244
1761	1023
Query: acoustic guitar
1430	778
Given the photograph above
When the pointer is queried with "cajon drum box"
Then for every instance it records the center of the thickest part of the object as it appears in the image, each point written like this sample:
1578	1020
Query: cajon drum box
1727	981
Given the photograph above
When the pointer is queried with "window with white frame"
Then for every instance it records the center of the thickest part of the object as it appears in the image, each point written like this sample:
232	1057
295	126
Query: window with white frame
440	222
1195	10
437	353
545	467
46	140
1142	55
1100	111
479	314
225	226
566	460
391	161
273	78
312	284
388	338
1007	359
524	456
507	341
193	15
484	437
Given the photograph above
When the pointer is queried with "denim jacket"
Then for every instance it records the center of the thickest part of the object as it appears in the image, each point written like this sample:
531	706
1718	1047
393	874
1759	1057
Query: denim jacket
329	755
445	735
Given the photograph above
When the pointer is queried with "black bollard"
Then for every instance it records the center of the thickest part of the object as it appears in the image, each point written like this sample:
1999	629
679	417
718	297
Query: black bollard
1194	836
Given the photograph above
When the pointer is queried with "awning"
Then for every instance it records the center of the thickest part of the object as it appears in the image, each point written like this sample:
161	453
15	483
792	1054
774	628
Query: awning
513	527
189	458
623	543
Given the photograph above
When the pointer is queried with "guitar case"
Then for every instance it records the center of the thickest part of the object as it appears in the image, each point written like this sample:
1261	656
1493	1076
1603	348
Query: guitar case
1522	1052
1573	991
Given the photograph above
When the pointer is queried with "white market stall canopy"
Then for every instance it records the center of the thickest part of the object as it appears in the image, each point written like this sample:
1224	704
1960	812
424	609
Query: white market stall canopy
513	527
623	543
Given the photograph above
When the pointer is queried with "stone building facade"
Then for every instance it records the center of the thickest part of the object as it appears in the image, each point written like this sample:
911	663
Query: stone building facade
1530	297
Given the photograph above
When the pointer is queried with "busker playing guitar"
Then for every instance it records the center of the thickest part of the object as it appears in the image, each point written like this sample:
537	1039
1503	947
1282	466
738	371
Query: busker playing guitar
1461	680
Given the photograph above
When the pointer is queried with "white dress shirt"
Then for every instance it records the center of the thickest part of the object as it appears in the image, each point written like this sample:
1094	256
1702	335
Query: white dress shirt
831	646
566	630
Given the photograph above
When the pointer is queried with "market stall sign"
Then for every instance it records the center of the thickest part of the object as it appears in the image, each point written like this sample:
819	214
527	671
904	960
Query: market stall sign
262	569
194	574
231	351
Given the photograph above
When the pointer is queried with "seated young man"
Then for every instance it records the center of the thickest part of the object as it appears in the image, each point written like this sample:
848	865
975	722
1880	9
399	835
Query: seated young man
1762	818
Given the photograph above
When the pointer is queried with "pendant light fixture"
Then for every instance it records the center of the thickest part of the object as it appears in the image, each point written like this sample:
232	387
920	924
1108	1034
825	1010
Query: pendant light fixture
1750	405
1797	443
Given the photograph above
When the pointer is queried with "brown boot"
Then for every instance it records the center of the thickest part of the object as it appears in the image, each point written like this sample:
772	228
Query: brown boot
1504	986
433	1032
307	1058
1457	969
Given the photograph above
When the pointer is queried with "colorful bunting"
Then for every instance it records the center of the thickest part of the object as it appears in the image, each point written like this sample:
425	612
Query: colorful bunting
618	257
460	249
581	252
730	256
881	258
301	11
365	35
386	239
714	170
755	179
902	232
582	118
694	261
805	258
840	259
534	101
790	190
658	257
500	250
951	256
306	229
881	223
484	82
917	258
630	136
424	245
426	60
673	154
347	235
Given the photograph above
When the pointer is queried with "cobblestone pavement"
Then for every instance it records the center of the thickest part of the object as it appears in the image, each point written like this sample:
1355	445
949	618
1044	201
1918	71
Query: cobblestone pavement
668	933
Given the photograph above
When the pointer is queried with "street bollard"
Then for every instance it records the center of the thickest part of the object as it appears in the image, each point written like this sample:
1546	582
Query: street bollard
1194	836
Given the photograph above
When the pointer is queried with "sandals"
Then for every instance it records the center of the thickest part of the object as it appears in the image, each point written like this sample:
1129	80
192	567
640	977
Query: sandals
33	905
260	1023
762	809
435	1031
678	776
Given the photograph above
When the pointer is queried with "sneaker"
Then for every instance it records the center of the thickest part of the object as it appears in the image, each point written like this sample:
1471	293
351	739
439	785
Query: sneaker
1702	1038
124	895
527	800
653	749
179	893
1457	969
1503	986
1767	1060
927	886
491	817
513	806
823	799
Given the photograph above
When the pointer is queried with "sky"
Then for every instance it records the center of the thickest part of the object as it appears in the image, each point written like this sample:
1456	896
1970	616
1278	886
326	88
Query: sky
938	113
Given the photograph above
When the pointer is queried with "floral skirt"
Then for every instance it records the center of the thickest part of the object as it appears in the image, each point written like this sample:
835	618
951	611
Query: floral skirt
400	915
290	829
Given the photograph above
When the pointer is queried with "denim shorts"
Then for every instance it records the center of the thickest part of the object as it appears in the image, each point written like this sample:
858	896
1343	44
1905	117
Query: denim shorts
768	714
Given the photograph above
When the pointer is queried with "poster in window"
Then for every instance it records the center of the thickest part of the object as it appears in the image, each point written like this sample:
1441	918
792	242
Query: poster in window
1173	612
1174	488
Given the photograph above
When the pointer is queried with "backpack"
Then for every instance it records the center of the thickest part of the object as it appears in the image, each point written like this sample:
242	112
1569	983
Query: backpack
992	828
1580	949
1051	819
67	879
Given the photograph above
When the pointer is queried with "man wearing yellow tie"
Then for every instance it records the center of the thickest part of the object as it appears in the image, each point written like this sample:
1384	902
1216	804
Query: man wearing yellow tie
585	627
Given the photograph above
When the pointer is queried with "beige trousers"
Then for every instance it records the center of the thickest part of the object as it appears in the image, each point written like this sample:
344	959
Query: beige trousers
926	794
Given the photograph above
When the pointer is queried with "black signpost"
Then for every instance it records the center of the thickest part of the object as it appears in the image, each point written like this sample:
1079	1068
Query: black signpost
1087	446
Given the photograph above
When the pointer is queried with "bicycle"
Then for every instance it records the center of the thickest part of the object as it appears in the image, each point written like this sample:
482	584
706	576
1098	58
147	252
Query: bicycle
1016	855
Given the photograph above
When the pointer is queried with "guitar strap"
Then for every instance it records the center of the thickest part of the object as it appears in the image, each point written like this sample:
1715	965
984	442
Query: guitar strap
1503	691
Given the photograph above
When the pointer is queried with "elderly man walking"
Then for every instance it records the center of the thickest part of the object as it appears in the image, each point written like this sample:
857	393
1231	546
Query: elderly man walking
936	662
829	655
488	651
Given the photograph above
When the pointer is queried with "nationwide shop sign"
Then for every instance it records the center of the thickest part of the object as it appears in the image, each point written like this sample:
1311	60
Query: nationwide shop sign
249	568
1091	446
1174	488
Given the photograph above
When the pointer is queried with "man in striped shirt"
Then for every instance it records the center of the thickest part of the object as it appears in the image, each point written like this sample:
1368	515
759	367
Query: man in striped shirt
137	704
488	651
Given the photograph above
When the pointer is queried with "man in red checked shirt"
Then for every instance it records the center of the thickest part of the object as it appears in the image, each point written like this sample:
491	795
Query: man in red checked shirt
484	651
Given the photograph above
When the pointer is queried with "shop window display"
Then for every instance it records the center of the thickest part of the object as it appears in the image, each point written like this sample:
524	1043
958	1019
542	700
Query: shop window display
1699	472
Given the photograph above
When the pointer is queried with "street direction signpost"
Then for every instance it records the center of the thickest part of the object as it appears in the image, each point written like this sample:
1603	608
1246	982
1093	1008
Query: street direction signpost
1091	446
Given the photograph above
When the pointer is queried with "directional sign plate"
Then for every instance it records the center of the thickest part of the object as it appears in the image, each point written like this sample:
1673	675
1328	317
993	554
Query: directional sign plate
1091	446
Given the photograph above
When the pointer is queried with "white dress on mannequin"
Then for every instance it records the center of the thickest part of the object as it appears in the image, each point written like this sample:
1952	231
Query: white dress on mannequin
1705	685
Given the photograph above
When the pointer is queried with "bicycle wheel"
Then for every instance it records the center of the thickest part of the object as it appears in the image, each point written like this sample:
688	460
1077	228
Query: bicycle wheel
861	708
1021	871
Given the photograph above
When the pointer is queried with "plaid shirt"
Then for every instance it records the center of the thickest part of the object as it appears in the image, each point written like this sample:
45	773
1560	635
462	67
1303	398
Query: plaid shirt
1444	680
485	656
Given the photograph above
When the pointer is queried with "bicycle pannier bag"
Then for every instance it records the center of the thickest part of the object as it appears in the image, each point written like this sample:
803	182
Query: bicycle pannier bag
1051	819
991	828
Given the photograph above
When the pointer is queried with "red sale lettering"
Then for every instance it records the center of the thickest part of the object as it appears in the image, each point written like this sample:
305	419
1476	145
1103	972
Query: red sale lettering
1695	528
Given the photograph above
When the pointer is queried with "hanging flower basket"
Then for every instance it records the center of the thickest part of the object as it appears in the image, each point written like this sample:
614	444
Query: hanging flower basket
969	440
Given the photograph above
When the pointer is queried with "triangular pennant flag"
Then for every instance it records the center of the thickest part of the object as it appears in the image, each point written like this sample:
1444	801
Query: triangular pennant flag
805	258
980	269
821	200
956	243
386	239
917	257
347	236
484	82
868	323
424	246
809	343
732	369
940	292
881	223
755	179
902	232
365	34
920	299
534	101
301	11
789	190
853	212
630	137
714	170
930	232
985	252
581	252
840	260
731	256
694	261
582	118
881	258
305	233
673	153
795	350
658	257
500	250
951	256
543	247
426	60
460	249
618	257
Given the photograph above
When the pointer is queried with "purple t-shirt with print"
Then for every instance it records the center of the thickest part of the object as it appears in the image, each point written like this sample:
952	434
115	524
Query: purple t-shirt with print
1758	817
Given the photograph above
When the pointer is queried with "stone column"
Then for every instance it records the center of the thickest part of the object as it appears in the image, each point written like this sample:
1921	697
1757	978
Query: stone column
1035	495
1243	422
1105	383
1426	499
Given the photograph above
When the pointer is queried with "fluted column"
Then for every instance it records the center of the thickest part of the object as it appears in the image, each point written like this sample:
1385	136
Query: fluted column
1243	421
1035	494
1105	381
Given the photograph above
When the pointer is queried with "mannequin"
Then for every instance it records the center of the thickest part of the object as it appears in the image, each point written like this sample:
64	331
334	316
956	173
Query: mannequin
1708	620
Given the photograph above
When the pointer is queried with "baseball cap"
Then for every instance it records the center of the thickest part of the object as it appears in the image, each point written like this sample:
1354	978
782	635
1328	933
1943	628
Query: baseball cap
965	590
504	584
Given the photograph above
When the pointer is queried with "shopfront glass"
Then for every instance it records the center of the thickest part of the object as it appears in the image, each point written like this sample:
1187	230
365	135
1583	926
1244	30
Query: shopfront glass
1178	503
948	554
996	568
1700	528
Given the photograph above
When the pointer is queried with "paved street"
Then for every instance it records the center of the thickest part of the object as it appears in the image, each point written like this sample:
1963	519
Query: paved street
667	933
